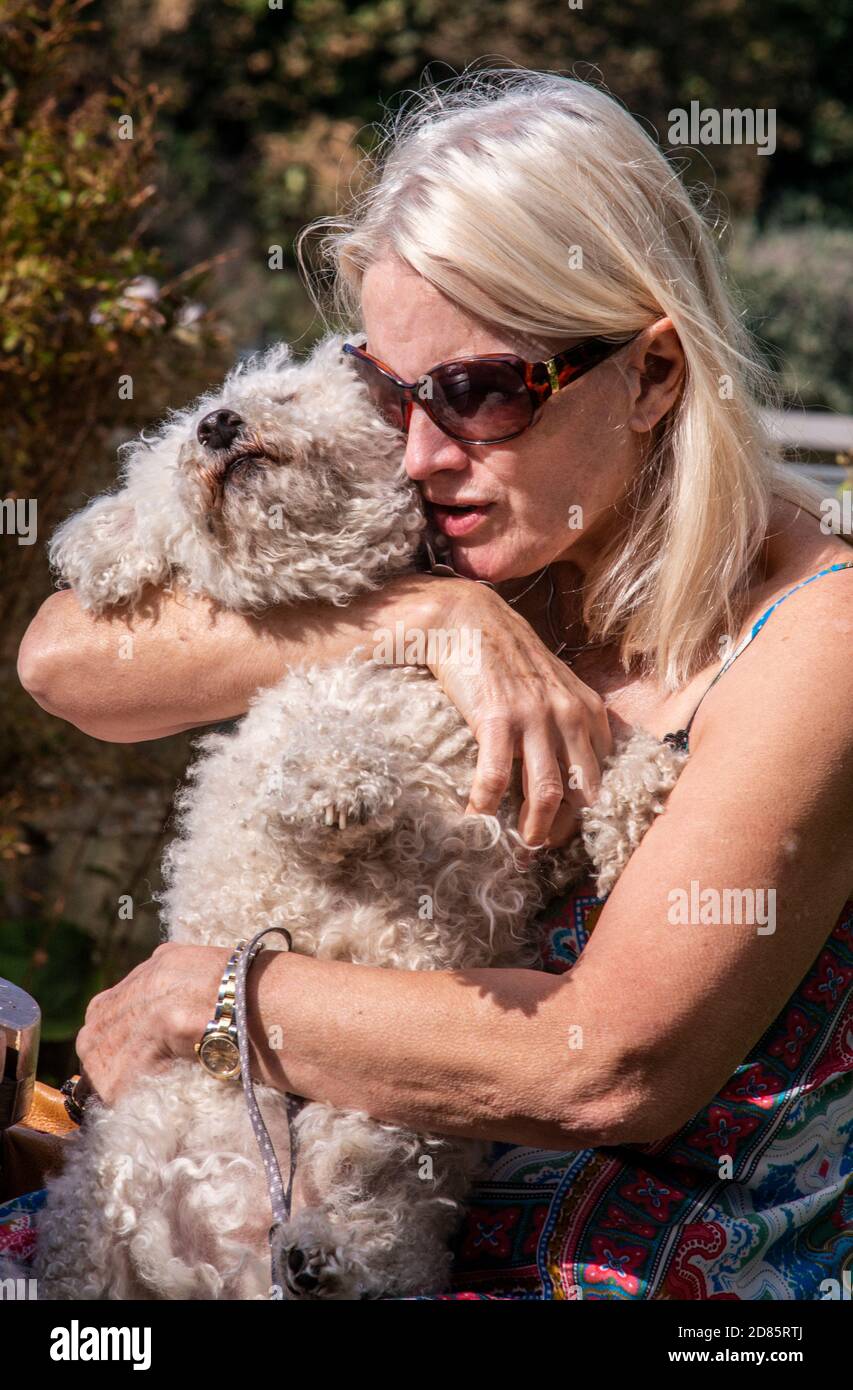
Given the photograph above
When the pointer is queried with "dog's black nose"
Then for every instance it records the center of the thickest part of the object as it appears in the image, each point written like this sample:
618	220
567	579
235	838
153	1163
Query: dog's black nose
219	429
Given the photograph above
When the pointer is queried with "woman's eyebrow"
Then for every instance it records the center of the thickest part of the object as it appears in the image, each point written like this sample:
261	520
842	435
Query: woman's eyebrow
437	362
386	363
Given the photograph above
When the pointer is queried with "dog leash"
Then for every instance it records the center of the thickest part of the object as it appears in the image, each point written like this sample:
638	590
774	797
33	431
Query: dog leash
280	1198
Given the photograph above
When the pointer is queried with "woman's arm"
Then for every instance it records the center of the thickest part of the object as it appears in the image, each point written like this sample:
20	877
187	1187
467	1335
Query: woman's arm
656	1015
182	661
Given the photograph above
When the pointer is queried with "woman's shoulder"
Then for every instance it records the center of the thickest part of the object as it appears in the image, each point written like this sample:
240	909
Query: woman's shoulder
794	649
784	622
797	546
804	595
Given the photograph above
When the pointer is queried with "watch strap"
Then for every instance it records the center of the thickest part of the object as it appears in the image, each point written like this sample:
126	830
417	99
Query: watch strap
223	1014
223	1022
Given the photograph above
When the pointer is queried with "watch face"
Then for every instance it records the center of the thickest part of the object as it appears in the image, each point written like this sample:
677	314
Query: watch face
221	1056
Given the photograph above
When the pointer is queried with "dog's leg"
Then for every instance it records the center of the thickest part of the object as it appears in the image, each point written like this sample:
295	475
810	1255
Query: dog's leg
390	1200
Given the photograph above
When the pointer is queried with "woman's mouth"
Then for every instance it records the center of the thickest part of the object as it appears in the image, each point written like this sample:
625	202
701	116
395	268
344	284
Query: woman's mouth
459	520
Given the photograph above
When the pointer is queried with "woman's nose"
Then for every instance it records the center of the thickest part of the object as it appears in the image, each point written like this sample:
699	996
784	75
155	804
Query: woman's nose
429	450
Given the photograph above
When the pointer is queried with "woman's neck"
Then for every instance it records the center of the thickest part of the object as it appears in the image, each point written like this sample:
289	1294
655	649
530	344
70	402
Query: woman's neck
551	601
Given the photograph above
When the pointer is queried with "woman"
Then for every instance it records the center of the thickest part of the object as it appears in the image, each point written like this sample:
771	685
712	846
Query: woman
670	1111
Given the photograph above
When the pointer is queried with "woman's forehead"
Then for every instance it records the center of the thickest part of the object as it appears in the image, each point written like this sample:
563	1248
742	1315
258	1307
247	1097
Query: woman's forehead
398	302
412	326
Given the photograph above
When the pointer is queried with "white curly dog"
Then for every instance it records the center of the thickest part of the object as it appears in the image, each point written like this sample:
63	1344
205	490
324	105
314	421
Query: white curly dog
335	809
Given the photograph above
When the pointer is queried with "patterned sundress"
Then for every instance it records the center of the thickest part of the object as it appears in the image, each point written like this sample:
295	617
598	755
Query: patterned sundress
657	1221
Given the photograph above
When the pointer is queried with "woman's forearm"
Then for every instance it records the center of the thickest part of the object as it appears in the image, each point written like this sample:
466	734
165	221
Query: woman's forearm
182	662
510	1055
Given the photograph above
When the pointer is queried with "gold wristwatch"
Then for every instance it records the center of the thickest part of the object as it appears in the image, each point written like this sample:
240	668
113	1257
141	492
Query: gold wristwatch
218	1050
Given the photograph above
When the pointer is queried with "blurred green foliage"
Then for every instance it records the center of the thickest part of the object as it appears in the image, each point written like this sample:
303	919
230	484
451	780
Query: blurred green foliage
87	299
237	71
265	110
56	967
73	199
797	286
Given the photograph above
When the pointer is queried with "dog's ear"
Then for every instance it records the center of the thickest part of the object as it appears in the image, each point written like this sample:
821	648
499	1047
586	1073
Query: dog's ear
102	553
124	541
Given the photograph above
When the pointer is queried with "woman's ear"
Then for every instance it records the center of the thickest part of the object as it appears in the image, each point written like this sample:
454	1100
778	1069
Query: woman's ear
657	372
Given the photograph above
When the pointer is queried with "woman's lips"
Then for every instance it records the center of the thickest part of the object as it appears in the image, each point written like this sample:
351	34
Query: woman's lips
459	521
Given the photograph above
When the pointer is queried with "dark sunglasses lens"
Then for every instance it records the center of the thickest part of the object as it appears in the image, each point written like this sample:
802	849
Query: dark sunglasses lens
384	394
478	400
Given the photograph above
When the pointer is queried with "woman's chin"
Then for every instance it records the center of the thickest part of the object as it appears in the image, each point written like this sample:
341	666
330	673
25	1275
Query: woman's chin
472	562
462	563
483	562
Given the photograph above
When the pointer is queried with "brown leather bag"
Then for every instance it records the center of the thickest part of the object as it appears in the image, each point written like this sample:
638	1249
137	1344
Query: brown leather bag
35	1147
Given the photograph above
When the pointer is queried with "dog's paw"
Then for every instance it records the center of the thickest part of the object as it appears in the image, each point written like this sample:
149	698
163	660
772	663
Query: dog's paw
356	797
327	781
311	1261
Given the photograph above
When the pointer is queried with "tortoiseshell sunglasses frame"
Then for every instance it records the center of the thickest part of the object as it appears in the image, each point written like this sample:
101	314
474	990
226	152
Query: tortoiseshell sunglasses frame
542	379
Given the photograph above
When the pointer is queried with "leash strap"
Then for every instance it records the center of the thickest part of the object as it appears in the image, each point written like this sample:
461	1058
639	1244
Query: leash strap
280	1199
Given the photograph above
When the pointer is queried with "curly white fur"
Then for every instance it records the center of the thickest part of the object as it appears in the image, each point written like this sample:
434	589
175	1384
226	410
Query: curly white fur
336	809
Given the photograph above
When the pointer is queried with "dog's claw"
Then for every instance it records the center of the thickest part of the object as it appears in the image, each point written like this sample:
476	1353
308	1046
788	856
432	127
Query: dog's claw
341	815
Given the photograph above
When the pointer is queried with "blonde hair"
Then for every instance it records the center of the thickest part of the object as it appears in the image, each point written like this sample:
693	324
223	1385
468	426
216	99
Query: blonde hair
487	185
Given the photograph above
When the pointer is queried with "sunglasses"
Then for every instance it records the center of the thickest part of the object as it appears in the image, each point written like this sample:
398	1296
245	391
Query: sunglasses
479	400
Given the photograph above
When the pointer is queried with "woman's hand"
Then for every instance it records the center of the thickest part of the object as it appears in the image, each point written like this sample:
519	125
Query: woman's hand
149	1018
520	701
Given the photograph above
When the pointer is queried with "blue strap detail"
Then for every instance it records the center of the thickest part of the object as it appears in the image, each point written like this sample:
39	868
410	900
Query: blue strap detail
681	738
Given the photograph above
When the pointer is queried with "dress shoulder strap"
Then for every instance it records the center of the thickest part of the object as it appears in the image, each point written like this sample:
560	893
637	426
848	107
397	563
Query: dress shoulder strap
681	738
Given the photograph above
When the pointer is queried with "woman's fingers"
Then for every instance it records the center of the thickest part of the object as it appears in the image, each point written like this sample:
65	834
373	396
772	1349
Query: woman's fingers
525	703
584	768
564	828
494	764
581	781
598	730
561	772
560	775
543	785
